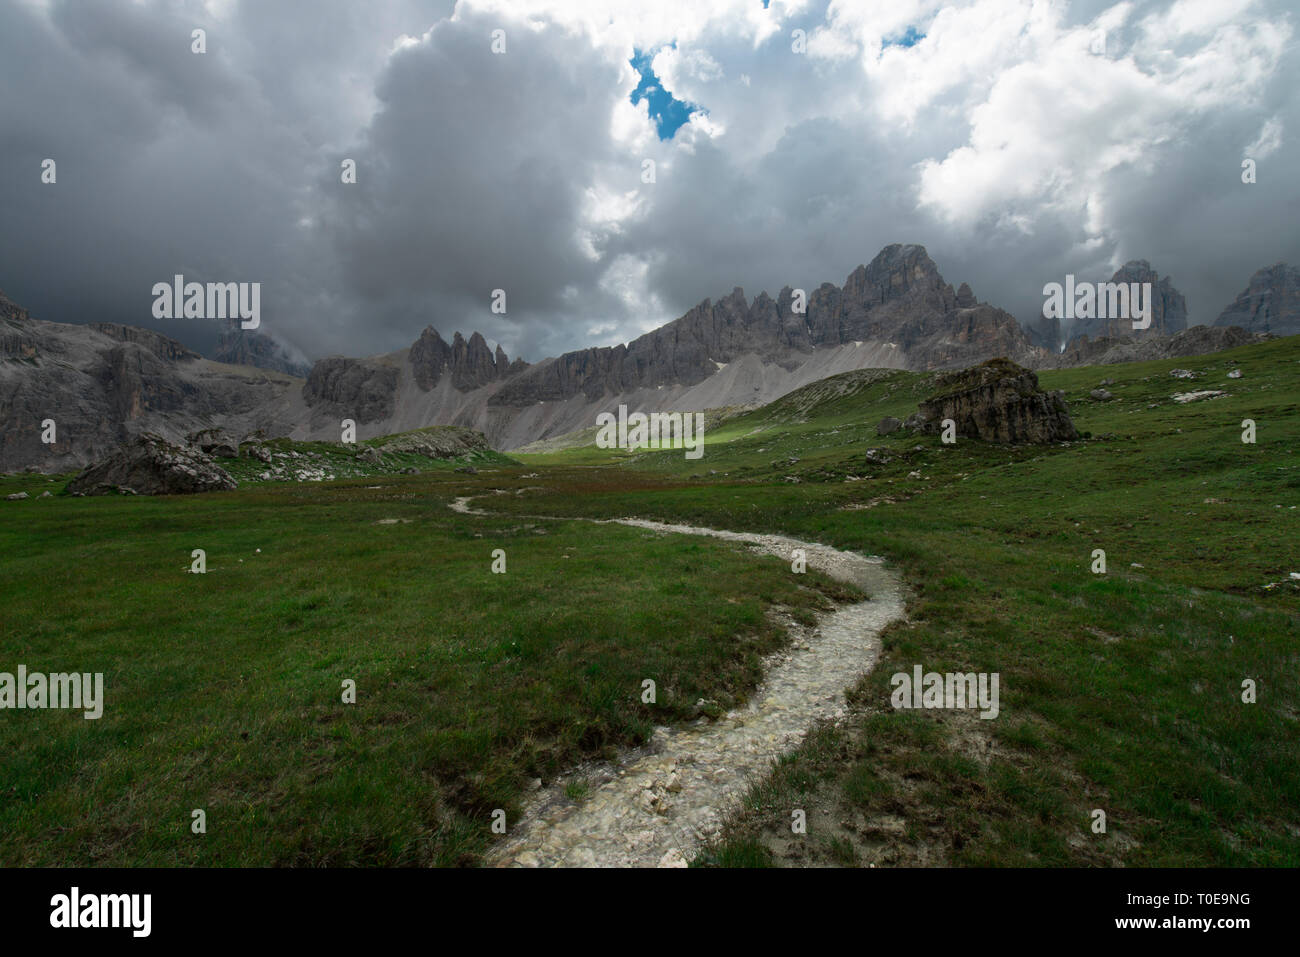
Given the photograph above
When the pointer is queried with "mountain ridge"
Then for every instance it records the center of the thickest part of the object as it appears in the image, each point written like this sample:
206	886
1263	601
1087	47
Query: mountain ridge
103	383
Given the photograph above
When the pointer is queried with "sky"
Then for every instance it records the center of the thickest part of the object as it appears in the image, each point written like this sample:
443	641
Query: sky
1018	140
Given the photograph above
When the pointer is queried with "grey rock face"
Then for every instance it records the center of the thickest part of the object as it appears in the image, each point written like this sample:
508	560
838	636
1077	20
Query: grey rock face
1270	303
101	384
11	311
998	401
153	342
899	297
888	425
352	388
1045	332
1168	313
150	465
1195	341
247	347
215	442
470	363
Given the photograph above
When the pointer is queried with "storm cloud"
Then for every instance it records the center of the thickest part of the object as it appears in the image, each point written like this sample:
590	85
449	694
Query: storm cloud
1018	141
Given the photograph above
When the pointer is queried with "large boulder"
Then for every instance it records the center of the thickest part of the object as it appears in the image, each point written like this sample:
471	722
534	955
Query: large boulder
997	401
150	465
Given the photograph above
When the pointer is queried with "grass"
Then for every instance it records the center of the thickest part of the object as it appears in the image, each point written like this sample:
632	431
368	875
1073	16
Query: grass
224	690
1120	692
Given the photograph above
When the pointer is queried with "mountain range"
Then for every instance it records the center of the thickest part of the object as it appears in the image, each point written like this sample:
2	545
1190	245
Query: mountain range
101	384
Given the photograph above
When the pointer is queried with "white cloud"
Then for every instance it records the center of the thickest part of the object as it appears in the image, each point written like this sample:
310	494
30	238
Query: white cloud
1268	141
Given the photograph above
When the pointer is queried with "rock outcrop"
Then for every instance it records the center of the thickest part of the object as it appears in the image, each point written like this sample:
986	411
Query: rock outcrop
247	347
1196	341
357	389
997	401
98	385
439	442
150	465
899	299
470	363
215	442
1168	315
1270	303
11	311
155	343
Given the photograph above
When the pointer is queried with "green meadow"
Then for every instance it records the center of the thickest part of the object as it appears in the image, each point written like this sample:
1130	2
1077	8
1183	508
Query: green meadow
1120	692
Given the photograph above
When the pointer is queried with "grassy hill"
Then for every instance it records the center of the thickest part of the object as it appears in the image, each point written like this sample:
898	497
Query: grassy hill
1120	692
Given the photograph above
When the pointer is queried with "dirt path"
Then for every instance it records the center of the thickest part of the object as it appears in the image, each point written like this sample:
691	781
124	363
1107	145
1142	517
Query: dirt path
660	802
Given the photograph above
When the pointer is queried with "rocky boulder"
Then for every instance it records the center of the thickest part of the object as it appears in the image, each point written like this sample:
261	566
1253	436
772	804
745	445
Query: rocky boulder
215	442
997	401
888	425
150	465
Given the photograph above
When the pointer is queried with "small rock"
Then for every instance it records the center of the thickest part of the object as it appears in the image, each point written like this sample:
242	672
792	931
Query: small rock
1234	374
17	496
888	425
1101	395
673	858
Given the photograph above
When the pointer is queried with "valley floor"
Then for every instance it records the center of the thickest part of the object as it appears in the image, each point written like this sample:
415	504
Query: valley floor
1160	692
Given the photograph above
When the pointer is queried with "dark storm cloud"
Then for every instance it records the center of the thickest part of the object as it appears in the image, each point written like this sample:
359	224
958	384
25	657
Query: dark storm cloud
471	178
989	140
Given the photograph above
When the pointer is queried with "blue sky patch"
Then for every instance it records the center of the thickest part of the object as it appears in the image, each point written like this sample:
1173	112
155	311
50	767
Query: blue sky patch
668	112
910	38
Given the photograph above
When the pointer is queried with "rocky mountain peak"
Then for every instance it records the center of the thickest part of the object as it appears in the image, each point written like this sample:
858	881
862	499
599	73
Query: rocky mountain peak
1168	315
248	348
1269	303
470	362
898	300
11	310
